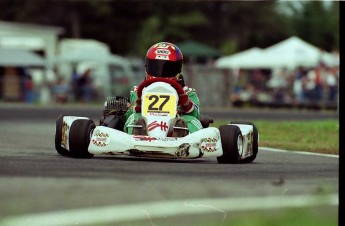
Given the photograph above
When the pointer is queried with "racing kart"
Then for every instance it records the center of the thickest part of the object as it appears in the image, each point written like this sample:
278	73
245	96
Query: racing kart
79	137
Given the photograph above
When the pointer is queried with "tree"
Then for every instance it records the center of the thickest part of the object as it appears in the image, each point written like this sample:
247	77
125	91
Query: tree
235	26
316	22
130	27
173	29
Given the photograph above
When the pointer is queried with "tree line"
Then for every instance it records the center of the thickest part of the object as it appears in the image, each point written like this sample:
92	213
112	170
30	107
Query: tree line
130	27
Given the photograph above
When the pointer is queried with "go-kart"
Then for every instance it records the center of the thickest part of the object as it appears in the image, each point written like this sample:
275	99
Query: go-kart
79	137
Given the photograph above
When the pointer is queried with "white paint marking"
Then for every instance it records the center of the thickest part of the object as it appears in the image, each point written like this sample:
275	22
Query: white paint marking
212	207
298	152
141	211
149	217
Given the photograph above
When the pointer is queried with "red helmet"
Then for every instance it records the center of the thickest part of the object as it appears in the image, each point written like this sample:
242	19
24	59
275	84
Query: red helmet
163	59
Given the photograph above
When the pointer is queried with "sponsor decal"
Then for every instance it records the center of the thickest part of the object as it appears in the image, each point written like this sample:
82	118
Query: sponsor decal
64	138
209	144
157	114
149	139
162	45
248	148
162	57
162	52
162	125
144	138
101	139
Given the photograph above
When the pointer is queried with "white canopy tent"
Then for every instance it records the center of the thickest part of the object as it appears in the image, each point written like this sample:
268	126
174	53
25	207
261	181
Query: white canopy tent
87	55
20	58
106	68
293	52
244	59
290	53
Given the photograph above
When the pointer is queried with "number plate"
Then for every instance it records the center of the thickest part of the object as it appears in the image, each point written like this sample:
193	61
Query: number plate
159	105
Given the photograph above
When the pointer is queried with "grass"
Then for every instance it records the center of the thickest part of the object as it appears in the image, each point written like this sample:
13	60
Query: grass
306	216
320	136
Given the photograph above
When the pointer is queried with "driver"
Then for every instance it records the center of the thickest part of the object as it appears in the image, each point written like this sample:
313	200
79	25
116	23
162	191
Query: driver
164	60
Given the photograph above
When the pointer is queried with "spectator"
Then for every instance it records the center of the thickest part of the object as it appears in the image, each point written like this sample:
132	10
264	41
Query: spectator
85	86
298	90
28	89
74	85
317	76
332	85
60	90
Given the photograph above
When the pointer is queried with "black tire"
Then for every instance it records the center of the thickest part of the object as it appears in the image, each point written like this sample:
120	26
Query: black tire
58	137
255	141
79	138
229	136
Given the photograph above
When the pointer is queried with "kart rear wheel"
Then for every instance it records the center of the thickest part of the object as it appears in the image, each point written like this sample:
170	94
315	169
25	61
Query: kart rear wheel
255	143
79	138
232	144
59	136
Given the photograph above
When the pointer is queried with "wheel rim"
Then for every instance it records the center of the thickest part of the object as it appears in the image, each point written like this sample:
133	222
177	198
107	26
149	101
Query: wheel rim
240	144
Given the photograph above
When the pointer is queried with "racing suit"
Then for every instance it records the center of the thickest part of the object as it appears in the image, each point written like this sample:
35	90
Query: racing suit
191	116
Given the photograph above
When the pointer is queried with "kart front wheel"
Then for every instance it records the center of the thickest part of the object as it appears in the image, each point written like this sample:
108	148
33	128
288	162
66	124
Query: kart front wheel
255	144
232	144
59	136
79	138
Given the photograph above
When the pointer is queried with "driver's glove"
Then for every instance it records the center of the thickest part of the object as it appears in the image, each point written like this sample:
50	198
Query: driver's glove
186	106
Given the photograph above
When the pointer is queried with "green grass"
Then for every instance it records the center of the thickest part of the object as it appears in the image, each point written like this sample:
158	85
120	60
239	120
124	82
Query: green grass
320	136
306	216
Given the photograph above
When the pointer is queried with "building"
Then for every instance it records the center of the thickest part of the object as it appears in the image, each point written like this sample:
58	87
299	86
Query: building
35	41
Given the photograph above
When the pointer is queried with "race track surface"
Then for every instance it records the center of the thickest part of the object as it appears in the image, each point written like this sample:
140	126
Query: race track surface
35	179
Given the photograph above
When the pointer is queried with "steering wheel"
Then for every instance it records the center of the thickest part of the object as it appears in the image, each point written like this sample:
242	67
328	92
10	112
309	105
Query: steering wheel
173	83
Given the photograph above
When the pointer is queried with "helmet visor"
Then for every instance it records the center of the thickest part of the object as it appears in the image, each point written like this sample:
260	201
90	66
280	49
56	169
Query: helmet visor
163	68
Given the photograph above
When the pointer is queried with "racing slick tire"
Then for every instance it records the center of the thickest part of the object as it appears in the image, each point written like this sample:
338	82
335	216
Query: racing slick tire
58	137
79	138
255	141
231	138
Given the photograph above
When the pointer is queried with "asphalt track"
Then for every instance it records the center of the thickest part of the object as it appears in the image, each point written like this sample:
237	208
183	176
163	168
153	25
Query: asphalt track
34	179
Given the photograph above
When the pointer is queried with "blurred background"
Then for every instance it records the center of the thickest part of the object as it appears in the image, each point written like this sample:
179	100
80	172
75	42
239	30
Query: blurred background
276	54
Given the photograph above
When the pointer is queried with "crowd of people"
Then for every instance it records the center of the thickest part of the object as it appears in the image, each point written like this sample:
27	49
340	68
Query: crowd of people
302	87
80	88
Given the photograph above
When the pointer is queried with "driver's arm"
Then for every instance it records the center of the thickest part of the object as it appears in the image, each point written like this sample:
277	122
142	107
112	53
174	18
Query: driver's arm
191	105
133	96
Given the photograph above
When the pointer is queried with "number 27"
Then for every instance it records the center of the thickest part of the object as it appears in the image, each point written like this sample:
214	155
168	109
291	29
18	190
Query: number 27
155	99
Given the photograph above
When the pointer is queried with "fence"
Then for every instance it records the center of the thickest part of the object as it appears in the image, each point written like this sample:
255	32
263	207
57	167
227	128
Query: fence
213	85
